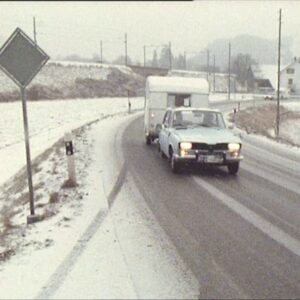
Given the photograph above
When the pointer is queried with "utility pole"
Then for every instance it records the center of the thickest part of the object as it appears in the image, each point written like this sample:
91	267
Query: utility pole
170	55
278	79
144	56
34	31
125	49
229	57
184	56
214	70
101	57
207	64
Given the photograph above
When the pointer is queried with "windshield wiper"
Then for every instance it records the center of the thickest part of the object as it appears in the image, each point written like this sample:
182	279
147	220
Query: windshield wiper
180	127
201	125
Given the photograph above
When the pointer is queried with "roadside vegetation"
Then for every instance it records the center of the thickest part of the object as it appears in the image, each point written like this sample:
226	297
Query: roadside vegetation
262	120
59	81
51	193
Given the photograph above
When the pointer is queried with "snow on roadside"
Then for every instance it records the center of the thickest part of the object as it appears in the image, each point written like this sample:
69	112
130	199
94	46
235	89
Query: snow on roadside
40	248
49	121
218	97
76	253
289	129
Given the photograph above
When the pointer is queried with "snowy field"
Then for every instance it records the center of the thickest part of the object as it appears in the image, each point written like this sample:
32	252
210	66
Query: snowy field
233	97
48	121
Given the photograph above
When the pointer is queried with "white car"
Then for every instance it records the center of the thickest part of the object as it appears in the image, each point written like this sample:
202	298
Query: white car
198	136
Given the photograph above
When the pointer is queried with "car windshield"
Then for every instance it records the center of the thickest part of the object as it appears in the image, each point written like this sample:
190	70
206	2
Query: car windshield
197	118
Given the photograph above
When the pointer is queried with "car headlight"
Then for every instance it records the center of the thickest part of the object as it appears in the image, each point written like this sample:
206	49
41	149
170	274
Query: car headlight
232	147
185	146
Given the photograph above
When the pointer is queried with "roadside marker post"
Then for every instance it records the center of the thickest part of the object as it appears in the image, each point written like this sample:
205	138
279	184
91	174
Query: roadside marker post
21	59
234	116
129	102
70	158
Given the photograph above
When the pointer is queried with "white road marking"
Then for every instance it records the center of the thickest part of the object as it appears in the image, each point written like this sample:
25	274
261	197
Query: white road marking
266	227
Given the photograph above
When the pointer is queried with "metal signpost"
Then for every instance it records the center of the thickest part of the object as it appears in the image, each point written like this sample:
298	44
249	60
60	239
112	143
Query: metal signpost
21	59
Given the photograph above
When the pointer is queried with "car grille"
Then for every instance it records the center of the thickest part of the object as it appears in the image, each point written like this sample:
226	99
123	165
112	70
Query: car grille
207	147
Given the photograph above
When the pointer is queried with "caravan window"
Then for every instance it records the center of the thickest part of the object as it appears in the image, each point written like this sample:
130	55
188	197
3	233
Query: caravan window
177	100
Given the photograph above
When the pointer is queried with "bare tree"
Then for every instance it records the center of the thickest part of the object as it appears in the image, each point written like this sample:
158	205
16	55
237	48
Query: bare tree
240	66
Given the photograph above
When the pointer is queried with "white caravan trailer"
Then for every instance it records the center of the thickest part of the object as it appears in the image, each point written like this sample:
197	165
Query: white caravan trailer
168	92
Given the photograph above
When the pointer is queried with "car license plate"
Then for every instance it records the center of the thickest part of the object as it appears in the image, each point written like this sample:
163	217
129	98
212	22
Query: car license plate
210	159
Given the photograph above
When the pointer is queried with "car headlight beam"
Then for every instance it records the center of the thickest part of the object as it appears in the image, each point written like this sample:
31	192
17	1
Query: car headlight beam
185	146
234	147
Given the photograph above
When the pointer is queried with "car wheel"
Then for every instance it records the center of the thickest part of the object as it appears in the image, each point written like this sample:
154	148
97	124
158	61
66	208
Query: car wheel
174	165
148	140
160	151
233	168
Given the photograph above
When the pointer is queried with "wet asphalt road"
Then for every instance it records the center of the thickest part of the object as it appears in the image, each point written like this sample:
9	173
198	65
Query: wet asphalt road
238	234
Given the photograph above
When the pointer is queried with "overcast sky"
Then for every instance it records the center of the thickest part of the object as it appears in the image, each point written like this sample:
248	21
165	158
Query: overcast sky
69	27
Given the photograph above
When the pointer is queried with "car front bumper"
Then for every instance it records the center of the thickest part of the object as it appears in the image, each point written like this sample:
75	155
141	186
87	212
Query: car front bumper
223	158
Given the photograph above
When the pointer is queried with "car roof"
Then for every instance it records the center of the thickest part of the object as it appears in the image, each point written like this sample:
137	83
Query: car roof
193	108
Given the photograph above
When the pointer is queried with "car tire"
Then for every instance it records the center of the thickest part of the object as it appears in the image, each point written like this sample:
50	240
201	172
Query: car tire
160	151
233	168
174	165
148	140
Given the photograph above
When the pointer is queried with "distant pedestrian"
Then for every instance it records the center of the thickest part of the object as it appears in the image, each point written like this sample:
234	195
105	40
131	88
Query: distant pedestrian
129	106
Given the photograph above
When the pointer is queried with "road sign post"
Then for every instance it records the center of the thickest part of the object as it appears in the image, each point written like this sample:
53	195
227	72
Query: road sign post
27	148
21	59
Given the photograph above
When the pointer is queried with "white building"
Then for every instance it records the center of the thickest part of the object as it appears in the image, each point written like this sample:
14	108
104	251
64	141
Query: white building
290	77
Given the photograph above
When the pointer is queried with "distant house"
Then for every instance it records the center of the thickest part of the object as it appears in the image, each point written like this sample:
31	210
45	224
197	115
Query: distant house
264	78
263	86
290	77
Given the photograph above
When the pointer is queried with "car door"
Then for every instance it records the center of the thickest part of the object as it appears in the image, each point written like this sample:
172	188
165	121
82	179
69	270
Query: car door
164	133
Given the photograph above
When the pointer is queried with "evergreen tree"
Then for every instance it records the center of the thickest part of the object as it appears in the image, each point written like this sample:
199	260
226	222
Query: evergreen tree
164	59
154	63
